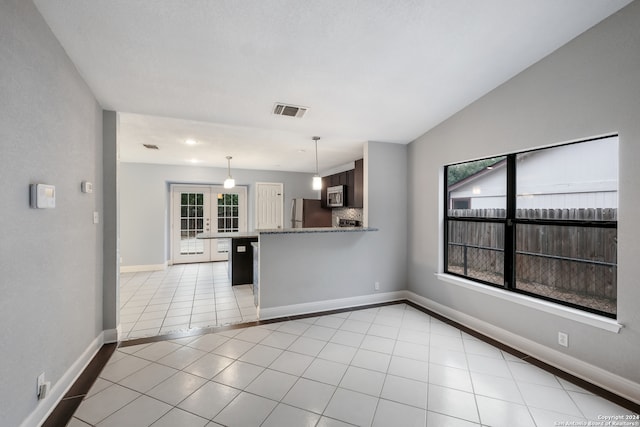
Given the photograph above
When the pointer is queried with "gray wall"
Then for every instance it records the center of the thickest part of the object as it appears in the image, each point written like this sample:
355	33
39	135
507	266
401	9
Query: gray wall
145	199
302	268
111	223
50	260
591	86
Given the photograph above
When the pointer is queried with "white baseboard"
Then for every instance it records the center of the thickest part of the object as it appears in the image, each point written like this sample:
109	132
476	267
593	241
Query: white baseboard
111	335
576	367
60	388
145	267
326	305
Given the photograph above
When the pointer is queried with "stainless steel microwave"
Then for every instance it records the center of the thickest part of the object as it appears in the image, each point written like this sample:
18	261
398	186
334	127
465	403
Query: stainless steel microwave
335	196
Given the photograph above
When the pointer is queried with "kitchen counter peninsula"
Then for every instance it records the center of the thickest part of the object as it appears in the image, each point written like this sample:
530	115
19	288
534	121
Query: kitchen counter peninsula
240	254
305	270
257	233
317	230
230	235
293	267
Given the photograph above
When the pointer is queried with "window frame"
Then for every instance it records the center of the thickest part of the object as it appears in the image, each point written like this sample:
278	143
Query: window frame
510	223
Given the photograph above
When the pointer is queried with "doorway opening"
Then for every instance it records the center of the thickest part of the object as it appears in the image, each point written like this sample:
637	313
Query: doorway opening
195	290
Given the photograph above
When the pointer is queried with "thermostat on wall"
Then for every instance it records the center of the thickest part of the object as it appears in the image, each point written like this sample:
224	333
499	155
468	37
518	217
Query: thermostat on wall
43	196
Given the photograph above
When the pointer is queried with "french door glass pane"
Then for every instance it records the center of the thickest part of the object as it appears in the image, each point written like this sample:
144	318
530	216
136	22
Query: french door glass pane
227	213
191	223
227	218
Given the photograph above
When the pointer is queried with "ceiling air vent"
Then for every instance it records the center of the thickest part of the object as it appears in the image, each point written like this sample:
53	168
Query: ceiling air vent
289	110
151	146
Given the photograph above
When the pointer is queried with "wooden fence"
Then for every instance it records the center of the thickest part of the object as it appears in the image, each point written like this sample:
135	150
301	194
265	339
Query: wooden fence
586	214
572	259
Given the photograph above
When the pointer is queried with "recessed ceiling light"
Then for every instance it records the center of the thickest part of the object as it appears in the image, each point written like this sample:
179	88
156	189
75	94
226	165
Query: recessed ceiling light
190	142
194	160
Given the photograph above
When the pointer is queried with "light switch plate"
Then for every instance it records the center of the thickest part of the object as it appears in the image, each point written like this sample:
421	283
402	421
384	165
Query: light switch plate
86	187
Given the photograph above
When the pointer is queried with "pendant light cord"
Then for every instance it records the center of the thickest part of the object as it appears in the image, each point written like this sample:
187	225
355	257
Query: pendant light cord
316	138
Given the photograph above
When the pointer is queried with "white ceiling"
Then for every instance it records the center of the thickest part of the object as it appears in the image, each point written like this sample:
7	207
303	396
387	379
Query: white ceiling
380	70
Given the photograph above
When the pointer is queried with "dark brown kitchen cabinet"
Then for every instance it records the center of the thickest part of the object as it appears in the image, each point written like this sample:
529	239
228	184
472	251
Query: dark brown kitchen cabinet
357	199
338	179
353	180
343	178
350	188
326	182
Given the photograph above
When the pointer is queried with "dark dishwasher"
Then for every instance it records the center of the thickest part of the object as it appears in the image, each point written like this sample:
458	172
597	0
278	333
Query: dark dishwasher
241	260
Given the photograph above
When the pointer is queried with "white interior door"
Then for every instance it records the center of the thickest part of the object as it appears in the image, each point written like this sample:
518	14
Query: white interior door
269	205
205	208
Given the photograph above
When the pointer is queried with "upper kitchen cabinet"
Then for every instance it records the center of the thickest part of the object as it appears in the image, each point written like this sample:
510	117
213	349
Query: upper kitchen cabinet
341	178
354	181
356	200
323	193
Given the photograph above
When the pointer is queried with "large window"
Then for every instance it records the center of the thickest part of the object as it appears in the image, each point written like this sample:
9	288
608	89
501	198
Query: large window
541	222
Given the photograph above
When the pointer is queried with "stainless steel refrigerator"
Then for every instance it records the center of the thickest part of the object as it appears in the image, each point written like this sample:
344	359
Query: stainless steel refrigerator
309	213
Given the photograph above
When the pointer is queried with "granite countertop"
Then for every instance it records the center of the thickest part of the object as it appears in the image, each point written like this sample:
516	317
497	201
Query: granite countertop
318	230
257	233
232	235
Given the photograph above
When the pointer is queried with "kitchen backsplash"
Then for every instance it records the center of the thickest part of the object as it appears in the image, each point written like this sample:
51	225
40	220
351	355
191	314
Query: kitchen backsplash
345	213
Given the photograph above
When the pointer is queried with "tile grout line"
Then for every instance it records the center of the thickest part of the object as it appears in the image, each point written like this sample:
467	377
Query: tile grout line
142	284
526	405
473	386
172	297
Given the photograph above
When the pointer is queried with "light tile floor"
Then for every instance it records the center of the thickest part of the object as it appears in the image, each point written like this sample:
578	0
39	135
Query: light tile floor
182	297
386	366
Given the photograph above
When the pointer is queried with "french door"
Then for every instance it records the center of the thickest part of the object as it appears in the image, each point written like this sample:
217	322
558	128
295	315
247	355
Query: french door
205	209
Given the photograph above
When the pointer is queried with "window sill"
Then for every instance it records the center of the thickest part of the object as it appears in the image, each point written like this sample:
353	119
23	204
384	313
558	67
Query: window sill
590	319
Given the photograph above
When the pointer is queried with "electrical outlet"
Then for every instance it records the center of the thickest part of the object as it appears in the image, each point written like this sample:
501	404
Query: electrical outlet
43	387
563	339
40	382
376	286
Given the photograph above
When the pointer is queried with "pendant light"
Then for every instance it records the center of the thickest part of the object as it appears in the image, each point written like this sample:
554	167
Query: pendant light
317	181
229	182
